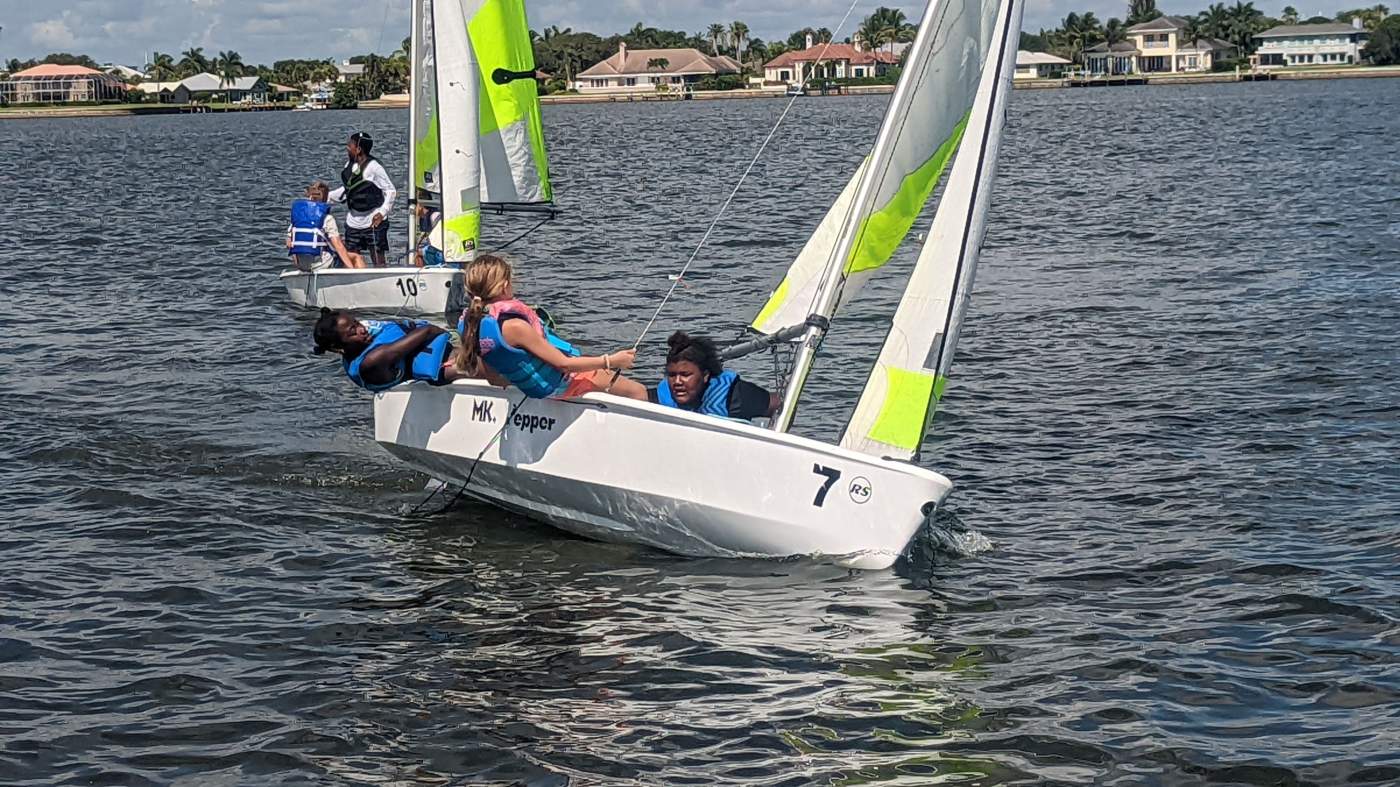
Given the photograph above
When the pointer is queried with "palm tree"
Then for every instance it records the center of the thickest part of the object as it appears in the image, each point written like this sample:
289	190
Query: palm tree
229	66
1290	15
193	61
1115	31
871	33
1194	30
162	67
738	32
1216	21
716	33
1244	23
1140	11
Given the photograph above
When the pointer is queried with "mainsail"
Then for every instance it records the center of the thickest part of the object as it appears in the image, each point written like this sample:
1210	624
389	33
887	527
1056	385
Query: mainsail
475	128
923	125
894	410
514	166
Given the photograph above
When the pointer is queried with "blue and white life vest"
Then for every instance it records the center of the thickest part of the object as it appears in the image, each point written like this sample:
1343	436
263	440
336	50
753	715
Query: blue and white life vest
307	217
531	375
425	366
714	401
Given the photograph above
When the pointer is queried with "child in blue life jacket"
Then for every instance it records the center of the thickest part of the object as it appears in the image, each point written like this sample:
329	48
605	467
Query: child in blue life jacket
506	341
429	251
313	238
696	380
378	355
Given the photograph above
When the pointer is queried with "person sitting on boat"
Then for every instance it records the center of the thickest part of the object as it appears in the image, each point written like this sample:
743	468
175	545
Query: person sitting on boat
378	355
429	252
369	194
696	380
506	341
313	237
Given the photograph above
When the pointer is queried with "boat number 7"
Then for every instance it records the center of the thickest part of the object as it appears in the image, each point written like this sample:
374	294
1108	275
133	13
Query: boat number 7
832	475
408	287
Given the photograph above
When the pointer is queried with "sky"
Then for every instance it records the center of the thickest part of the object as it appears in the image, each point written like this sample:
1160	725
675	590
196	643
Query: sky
126	31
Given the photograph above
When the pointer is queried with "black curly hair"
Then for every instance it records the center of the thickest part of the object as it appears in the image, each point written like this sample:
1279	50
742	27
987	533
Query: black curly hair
325	334
696	349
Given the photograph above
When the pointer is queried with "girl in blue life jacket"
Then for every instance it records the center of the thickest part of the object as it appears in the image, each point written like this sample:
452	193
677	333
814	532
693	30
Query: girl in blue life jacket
505	341
696	380
378	355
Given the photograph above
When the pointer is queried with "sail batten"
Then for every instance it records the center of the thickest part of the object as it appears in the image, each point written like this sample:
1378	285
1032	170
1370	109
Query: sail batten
911	372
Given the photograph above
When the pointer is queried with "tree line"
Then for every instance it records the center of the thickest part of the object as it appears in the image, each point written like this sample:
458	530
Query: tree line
1237	24
563	53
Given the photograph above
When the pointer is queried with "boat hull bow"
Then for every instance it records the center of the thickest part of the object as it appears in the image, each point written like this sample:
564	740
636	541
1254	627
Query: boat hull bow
617	470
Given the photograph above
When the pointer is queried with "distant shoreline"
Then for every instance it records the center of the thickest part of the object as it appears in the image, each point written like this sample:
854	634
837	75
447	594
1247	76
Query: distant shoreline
132	110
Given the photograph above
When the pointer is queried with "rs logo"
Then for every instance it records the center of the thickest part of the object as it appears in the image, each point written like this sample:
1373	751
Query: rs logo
860	490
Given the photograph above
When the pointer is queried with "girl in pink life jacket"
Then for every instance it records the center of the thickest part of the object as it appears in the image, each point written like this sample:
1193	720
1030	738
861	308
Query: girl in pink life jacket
505	341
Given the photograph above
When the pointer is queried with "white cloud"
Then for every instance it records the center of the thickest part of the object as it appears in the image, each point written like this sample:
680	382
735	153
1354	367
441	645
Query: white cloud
52	33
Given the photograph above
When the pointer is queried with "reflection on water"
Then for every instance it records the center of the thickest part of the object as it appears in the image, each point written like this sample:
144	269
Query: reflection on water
1172	417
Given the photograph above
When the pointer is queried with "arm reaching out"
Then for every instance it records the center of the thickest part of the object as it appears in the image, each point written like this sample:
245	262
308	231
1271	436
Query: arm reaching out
520	334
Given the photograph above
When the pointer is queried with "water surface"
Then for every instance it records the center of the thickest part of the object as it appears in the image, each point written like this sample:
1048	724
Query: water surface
1174	414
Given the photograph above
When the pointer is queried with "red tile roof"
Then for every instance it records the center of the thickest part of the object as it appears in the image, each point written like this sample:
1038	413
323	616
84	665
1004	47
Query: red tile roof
831	52
51	70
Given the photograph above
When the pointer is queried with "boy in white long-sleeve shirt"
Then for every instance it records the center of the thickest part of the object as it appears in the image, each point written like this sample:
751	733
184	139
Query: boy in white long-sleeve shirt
369	195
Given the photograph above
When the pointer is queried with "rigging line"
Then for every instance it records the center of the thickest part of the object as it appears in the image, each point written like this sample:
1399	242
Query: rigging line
724	206
475	463
522	235
383	23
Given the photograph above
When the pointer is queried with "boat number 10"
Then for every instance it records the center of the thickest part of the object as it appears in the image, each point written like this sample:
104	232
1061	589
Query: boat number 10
859	490
408	288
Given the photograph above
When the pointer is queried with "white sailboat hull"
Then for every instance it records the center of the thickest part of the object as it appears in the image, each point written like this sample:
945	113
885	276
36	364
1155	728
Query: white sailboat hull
404	289
619	470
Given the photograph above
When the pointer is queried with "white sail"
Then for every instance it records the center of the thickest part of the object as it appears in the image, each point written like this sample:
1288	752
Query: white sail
894	409
458	92
921	130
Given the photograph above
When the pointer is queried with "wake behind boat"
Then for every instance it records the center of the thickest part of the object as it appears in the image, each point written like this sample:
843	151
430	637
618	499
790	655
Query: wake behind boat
730	489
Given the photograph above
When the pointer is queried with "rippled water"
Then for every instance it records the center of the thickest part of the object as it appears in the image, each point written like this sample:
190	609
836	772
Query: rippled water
1174	414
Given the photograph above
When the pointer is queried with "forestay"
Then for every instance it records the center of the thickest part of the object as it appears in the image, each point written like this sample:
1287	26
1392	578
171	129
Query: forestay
903	390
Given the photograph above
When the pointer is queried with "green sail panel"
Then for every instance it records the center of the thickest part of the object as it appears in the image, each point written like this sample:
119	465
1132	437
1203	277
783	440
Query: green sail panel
514	165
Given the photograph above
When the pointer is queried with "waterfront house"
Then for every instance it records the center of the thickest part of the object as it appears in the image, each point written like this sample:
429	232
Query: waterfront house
1333	43
828	61
347	71
1157	46
650	70
204	87
55	84
163	92
1038	65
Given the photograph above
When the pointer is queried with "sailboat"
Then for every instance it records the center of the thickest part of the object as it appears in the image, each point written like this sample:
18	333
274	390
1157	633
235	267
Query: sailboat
734	489
476	144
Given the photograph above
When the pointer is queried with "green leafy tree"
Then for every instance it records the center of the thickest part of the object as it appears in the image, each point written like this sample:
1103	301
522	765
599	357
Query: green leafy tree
1371	18
1140	11
1245	22
1290	15
1384	47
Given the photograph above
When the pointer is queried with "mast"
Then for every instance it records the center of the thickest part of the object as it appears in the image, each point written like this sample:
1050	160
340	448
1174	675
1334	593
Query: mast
415	74
829	290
